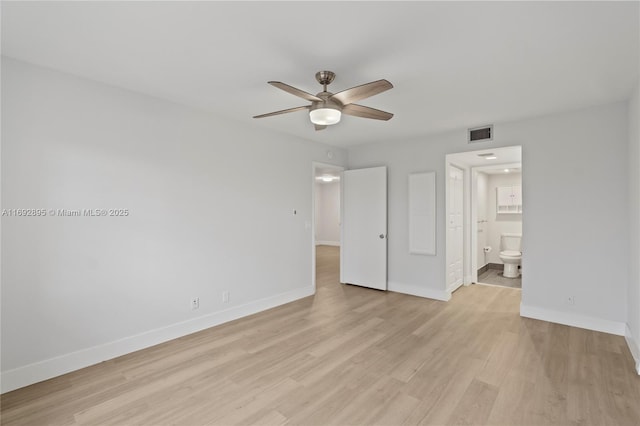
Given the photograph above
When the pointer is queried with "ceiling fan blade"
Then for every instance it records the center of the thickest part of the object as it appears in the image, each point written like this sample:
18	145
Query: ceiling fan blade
297	92
366	112
361	92
284	111
320	127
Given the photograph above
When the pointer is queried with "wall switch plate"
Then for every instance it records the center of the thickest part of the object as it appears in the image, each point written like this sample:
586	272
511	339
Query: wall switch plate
571	300
225	297
195	303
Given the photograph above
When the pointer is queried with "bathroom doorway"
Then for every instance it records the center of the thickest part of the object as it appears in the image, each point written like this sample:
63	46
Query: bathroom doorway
497	206
326	222
492	216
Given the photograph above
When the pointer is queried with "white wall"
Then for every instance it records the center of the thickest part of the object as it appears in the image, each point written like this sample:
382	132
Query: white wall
328	213
206	214
633	299
500	223
574	163
482	218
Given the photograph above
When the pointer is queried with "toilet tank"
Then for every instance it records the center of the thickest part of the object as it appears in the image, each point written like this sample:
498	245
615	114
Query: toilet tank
511	242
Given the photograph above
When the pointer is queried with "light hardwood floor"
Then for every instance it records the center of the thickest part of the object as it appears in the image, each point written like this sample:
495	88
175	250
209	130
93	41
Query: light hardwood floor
352	356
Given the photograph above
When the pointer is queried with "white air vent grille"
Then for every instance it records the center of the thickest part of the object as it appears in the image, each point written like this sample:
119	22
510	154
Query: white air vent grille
481	134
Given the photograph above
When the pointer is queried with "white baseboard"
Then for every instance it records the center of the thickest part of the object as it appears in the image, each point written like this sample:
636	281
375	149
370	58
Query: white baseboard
415	290
573	319
327	243
47	369
634	347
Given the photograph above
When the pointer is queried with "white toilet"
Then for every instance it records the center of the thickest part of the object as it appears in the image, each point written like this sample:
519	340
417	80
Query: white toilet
511	254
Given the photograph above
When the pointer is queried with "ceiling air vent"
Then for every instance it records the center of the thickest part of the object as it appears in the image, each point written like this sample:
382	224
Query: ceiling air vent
481	134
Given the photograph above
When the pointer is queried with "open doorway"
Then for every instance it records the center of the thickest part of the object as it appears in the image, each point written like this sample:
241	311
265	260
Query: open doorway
326	227
491	249
497	207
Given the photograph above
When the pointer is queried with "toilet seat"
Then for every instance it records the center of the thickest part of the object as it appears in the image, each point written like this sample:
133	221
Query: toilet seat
510	253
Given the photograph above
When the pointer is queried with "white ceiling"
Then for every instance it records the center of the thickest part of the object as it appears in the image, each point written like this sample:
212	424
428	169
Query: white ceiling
453	64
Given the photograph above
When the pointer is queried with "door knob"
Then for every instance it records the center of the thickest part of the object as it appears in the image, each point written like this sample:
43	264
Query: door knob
381	236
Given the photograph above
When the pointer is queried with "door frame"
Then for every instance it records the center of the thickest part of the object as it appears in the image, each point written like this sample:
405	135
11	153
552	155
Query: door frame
314	166
469	211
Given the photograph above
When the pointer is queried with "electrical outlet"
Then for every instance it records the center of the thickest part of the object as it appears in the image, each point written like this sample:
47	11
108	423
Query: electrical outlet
571	300
225	297
195	303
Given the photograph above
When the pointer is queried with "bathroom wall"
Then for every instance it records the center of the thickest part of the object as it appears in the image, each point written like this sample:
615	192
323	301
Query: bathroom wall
500	223
327	211
482	218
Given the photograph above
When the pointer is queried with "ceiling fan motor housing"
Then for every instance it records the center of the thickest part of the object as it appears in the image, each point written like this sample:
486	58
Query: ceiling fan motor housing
326	102
325	77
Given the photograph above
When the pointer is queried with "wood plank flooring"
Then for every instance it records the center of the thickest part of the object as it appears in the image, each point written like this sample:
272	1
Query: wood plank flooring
354	356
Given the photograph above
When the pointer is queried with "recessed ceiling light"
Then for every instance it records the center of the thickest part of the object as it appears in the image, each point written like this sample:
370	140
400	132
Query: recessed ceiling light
506	170
327	178
488	156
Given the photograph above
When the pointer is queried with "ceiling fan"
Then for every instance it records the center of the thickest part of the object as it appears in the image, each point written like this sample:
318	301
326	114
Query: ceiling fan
326	108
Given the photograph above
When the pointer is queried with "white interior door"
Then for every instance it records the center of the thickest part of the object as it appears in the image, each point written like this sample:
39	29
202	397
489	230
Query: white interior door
363	255
455	236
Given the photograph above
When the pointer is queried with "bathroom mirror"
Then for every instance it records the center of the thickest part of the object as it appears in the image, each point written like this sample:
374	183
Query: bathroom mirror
422	213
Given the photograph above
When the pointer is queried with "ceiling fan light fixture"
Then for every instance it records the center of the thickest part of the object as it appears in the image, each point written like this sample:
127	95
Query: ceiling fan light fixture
325	116
327	108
